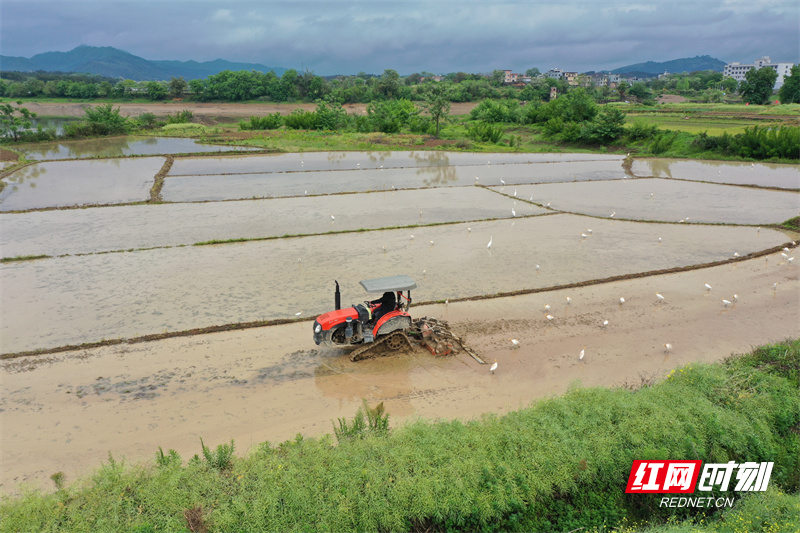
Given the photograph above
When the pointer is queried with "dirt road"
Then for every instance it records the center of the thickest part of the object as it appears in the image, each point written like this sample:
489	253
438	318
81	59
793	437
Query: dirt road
66	412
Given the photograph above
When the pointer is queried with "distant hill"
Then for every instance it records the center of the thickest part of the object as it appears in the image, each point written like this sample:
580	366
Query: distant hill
114	63
688	64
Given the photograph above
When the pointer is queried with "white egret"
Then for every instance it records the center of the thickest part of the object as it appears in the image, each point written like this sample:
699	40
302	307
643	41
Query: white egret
502	181
549	317
660	297
537	267
659	239
490	242
790	259
589	231
583	235
774	286
469	230
569	300
726	302
613	214
785	249
446	303
783	254
305	193
412	237
546	307
605	323
583	352
621	301
735	297
493	367
515	191
333	217
431	243
298	313
735	254
667	347
515	342
513	213
707	286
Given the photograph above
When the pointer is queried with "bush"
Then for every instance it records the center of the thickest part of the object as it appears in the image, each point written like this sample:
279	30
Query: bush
641	130
485	132
181	117
391	115
492	111
663	142
331	116
268	122
767	143
300	119
98	121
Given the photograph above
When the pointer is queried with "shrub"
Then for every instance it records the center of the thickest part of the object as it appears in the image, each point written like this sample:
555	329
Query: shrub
485	132
268	122
663	142
367	421
181	117
492	111
640	130
391	115
331	116
221	459
299	119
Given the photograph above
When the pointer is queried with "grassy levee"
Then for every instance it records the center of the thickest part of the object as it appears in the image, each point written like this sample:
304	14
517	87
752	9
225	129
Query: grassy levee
559	465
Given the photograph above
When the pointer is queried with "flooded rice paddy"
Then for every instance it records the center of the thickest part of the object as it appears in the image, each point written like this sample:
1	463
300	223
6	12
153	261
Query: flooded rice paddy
425	217
145	226
316	161
70	300
667	200
759	174
75	183
122	147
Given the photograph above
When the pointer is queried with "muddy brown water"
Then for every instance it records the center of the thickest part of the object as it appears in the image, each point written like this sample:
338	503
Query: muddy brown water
66	412
666	200
71	300
121	147
760	174
144	226
73	183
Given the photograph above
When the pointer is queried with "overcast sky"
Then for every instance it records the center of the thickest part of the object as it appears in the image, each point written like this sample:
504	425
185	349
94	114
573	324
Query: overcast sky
329	37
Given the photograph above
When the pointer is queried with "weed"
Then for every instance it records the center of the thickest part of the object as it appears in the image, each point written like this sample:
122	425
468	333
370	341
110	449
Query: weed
221	459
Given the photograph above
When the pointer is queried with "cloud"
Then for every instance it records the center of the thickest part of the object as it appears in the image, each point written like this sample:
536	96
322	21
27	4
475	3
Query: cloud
350	36
222	15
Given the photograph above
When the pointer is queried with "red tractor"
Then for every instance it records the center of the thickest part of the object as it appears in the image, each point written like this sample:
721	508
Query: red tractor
384	321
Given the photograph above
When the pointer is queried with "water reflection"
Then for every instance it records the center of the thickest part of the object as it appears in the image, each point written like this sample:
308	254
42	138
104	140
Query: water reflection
145	226
70	300
120	147
229	186
73	183
669	201
322	161
761	174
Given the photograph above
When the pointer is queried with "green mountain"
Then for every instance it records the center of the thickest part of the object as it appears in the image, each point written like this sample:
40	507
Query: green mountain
688	64
114	63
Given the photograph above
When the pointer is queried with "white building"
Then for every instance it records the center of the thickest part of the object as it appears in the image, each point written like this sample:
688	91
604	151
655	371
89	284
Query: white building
555	73
737	71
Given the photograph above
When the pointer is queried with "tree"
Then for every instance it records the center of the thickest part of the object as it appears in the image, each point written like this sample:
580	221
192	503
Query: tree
437	104
790	90
156	90
622	89
177	87
12	124
532	72
729	85
640	91
497	78
389	83
756	88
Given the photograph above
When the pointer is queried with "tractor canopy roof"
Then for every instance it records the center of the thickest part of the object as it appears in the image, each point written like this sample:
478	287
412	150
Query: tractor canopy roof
388	284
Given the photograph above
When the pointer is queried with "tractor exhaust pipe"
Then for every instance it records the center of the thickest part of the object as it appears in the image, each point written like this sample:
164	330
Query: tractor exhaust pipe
337	297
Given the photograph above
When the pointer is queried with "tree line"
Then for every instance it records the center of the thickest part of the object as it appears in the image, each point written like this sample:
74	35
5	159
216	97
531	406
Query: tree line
294	86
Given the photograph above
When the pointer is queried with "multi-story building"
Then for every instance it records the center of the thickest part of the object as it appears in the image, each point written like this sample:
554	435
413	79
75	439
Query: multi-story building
556	73
737	70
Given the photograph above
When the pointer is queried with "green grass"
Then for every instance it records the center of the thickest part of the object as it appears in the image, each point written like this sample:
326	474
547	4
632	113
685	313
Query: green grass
23	258
559	465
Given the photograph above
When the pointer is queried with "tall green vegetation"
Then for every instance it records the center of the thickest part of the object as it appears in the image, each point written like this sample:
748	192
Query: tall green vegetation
560	465
14	120
757	85
98	121
790	90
